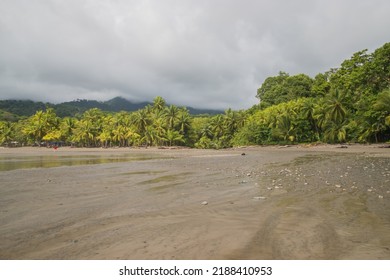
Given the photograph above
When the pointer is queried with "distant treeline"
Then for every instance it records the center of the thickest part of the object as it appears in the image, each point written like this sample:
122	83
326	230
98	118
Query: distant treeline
13	110
346	104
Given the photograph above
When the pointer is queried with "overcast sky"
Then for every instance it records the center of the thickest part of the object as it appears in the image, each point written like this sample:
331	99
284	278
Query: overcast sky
205	54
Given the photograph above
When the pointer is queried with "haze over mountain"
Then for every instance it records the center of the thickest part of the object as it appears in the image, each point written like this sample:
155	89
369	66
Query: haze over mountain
11	109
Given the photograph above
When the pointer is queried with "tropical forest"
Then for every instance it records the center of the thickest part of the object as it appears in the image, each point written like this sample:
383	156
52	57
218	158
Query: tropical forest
347	104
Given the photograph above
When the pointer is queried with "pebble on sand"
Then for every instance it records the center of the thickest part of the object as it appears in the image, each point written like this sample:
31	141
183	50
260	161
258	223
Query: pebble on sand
204	202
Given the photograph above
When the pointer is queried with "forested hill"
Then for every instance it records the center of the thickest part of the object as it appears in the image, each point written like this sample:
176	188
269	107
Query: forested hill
11	110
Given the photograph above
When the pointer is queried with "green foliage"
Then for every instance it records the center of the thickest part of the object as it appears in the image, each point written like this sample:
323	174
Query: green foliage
40	124
283	88
350	103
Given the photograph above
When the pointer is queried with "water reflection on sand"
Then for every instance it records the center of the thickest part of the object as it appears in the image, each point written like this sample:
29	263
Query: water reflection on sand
9	162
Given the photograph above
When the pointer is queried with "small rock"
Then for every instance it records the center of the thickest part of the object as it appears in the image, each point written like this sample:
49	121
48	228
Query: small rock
380	196
243	154
204	203
248	174
259	197
338	186
369	190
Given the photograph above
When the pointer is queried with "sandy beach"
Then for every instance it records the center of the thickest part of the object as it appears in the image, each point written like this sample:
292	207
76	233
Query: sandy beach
280	202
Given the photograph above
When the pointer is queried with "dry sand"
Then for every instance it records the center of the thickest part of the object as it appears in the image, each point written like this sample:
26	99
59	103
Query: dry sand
317	202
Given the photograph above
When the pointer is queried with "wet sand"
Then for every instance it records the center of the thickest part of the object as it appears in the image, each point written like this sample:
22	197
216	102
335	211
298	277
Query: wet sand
318	202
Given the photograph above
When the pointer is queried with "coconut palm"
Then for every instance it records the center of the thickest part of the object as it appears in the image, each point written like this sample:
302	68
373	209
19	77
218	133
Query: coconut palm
184	121
158	104
171	115
335	107
84	133
308	111
40	124
335	132
141	120
285	128
6	132
217	126
66	127
383	104
173	137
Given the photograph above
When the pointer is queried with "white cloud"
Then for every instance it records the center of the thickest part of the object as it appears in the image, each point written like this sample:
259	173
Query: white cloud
211	54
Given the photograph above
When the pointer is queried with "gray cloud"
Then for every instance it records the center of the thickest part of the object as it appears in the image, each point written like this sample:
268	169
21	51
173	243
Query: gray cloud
210	54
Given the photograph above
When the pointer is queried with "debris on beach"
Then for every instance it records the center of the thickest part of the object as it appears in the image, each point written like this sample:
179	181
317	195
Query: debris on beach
343	147
384	146
204	202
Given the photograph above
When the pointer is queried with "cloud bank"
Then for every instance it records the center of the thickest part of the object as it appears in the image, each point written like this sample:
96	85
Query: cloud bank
206	54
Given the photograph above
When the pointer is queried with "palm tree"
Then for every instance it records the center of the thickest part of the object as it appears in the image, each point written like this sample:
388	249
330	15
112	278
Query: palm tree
159	126
184	121
206	131
6	132
120	135
66	127
230	121
382	104
335	132
141	120
171	115
217	125
173	136
308	111
335	107
158	104
150	136
41	123
285	129
319	115
84	132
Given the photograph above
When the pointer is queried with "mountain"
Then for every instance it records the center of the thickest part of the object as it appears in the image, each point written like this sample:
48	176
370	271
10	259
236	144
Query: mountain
12	109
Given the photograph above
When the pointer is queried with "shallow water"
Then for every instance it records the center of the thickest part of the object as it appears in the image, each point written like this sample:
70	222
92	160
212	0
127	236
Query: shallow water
8	163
